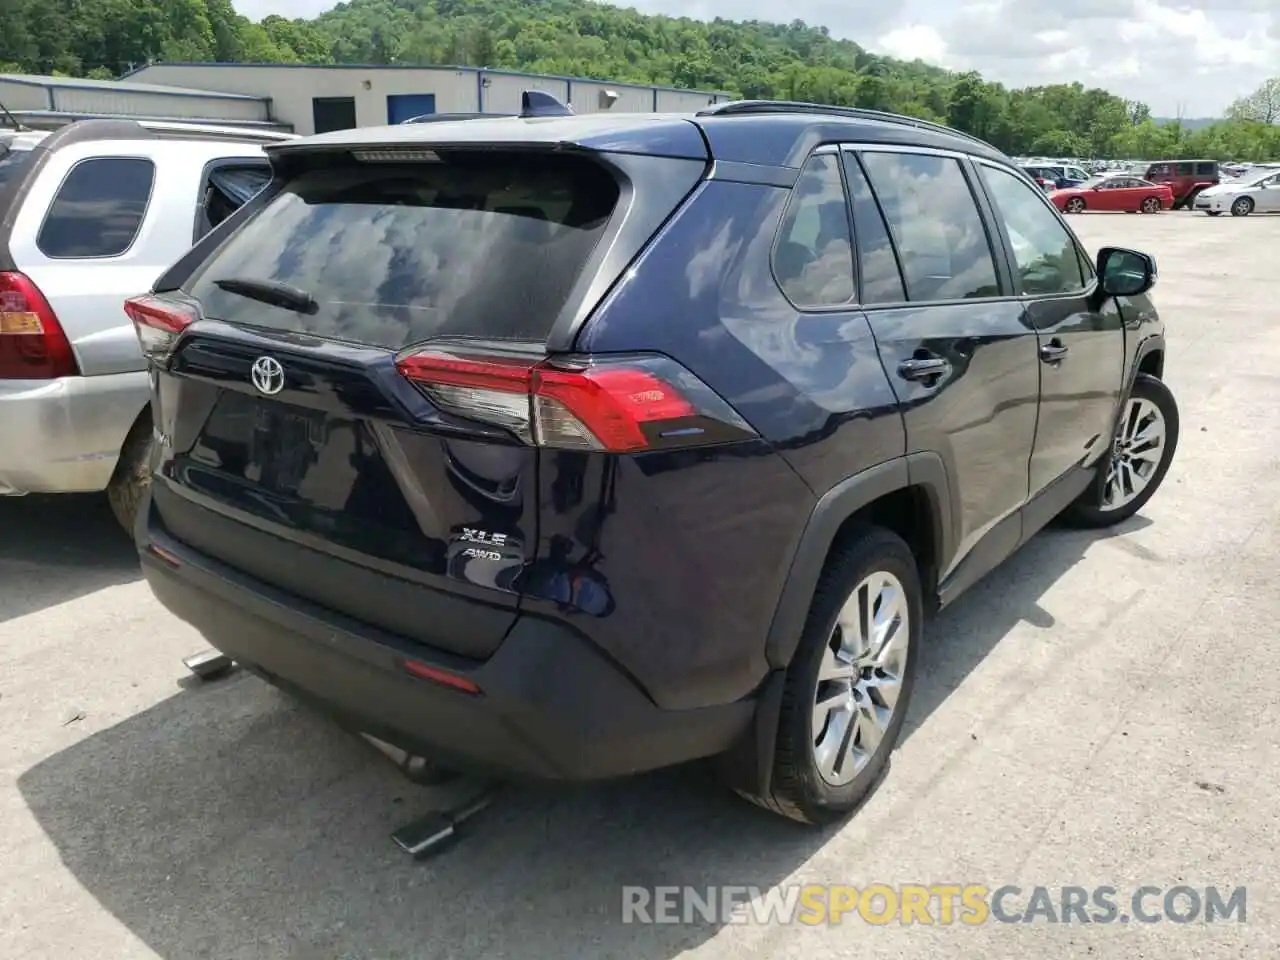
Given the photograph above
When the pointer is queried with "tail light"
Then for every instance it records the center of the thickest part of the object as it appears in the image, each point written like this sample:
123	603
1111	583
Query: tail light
158	321
33	345
615	404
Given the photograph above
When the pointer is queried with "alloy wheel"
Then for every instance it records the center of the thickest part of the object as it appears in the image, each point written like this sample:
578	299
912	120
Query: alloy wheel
1150	205
1075	205
1242	207
1135	453
860	677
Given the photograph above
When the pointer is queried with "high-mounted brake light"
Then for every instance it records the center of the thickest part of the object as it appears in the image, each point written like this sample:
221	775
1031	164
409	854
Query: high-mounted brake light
618	405
158	322
33	345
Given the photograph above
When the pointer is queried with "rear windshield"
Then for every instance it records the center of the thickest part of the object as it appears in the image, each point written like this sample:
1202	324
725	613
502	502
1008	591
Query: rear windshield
12	163
485	245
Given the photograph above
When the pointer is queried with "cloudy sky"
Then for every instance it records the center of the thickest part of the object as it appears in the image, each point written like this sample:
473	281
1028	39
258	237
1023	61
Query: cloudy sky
1188	56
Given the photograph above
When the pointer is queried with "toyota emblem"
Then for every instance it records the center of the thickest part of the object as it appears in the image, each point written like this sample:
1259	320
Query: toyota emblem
267	375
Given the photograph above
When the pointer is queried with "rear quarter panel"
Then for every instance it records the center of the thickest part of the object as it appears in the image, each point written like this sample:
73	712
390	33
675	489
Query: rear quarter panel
695	547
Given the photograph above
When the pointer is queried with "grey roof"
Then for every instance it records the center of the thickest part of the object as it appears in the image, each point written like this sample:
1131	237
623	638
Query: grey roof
119	86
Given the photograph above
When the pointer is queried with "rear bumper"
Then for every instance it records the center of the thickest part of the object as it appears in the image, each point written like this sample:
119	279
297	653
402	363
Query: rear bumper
64	436
552	706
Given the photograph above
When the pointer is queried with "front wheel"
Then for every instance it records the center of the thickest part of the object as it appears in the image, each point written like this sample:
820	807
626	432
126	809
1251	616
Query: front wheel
1145	441
846	691
1074	205
1242	207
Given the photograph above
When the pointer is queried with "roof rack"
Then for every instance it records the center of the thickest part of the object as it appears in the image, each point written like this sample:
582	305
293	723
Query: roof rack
737	108
105	126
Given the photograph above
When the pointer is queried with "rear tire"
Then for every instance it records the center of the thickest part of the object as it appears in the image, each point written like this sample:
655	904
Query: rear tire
868	597
132	476
1126	479
1151	205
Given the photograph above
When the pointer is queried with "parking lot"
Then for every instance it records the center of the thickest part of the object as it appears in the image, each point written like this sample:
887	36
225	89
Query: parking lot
1100	711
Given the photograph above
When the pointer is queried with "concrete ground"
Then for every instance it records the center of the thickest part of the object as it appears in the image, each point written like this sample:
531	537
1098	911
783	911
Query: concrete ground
1101	711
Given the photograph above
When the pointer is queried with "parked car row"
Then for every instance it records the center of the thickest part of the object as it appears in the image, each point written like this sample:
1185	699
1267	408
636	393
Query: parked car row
1201	185
92	213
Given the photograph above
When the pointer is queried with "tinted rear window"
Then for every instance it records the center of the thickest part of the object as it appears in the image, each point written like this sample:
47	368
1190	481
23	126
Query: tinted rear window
99	208
483	245
12	163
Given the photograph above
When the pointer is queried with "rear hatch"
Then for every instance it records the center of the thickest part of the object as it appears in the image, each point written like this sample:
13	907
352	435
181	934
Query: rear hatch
295	445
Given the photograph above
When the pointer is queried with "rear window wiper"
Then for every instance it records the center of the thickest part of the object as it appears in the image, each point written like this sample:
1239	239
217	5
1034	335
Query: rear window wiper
271	292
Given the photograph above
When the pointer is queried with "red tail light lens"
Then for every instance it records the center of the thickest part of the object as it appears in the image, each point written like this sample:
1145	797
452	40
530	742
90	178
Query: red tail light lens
33	345
619	405
158	321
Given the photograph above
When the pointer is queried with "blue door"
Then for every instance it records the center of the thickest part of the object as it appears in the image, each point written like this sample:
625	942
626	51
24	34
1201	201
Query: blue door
406	106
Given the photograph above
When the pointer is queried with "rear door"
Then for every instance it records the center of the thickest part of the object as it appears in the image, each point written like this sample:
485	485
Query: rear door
293	448
1081	341
952	337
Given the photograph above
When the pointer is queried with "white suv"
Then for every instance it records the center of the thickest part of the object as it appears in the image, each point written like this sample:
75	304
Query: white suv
91	214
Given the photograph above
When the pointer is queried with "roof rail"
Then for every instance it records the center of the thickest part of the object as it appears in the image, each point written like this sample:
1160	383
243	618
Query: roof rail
740	108
447	117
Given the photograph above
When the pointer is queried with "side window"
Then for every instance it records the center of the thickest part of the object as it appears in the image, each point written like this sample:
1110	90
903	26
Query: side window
98	209
1185	169
935	223
1206	169
1078	174
1086	267
1045	252
813	259
877	263
228	187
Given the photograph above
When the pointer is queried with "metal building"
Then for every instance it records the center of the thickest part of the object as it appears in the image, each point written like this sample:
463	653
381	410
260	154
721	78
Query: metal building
315	99
36	98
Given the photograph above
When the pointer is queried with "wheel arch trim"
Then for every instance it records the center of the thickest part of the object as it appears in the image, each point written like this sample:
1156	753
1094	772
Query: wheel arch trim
925	471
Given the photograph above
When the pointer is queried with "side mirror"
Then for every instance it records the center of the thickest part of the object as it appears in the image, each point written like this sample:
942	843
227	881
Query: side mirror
1124	272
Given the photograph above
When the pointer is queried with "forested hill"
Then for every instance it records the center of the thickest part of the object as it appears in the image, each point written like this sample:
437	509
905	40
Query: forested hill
106	38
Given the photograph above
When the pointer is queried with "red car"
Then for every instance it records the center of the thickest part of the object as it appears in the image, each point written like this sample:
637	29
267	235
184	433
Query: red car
1116	192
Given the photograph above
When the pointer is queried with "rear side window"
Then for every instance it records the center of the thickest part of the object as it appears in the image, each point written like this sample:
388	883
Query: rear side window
1206	169
813	259
484	245
99	208
1185	169
935	223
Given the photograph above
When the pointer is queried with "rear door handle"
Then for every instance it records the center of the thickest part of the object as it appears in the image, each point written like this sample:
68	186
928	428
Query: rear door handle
1053	352
923	368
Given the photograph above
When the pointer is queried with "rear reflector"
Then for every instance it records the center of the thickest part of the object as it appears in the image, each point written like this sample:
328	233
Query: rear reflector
613	404
33	345
425	671
158	321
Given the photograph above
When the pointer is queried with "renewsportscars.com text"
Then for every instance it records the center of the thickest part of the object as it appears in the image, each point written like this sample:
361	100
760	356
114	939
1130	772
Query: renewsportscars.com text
932	904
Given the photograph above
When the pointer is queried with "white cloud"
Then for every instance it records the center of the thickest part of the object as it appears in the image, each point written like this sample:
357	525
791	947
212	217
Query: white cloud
1190	55
1177	56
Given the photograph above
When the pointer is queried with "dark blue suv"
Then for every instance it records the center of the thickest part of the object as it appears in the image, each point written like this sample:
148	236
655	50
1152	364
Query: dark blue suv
573	447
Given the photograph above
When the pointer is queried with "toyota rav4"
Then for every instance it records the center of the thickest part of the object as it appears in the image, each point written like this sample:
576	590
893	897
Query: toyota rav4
572	447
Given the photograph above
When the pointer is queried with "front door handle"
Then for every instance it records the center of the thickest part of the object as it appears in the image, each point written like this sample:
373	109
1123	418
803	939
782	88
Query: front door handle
1053	352
924	368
